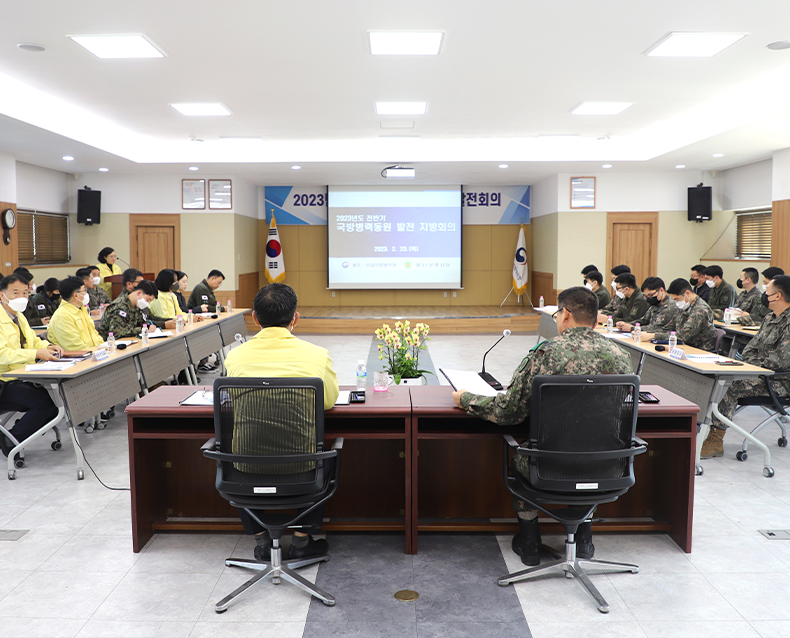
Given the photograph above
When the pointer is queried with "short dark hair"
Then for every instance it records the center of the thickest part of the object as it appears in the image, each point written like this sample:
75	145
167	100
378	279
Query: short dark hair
589	269
92	268
699	268
581	302
148	288
130	275
626	279
275	305
181	275
595	276
782	284
12	279
620	270
69	286
752	274
678	286
772	271
104	252
714	271
83	273
653	283
215	273
51	284
166	278
24	273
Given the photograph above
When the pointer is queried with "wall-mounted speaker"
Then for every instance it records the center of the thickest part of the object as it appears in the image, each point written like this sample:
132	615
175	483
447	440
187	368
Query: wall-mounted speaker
700	203
88	206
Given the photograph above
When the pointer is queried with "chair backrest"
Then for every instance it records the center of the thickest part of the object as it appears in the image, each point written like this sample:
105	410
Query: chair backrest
263	420
586	424
719	336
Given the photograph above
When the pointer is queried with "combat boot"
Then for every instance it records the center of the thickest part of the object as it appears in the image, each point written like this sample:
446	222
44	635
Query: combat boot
713	447
527	542
584	544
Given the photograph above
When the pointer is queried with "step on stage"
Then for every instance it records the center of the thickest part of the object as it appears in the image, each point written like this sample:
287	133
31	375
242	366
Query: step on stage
442	319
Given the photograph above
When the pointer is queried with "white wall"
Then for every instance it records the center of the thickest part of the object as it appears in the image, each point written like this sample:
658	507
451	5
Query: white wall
544	197
746	186
42	188
780	175
7	179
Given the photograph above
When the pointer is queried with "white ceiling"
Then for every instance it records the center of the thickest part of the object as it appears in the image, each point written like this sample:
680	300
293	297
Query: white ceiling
299	76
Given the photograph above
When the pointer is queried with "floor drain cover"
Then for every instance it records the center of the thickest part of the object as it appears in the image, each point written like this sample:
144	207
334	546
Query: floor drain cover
776	534
406	594
12	534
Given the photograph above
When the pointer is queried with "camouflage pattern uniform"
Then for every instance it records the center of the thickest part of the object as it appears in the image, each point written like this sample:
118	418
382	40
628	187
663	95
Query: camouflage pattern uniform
612	306
97	297
750	302
769	348
721	298
658	318
603	297
577	350
632	309
125	320
694	326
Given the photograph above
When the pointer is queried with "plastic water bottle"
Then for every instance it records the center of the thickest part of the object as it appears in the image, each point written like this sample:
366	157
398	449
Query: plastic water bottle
727	317
362	375
230	307
144	335
673	340
190	317
541	303
179	324
111	343
637	333
101	310
609	324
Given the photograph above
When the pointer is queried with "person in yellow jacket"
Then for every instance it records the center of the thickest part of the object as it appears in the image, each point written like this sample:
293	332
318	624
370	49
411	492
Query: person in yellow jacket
20	346
108	268
71	327
166	304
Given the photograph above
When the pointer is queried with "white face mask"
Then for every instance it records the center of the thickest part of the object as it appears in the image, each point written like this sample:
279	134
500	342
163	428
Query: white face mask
17	305
614	286
85	299
682	305
763	287
142	304
96	281
709	283
588	285
620	294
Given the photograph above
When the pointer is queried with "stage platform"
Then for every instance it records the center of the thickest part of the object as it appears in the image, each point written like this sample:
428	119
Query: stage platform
442	319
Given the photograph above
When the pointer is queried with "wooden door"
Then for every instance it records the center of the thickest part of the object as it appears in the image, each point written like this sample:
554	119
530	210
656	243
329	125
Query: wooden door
633	240
155	242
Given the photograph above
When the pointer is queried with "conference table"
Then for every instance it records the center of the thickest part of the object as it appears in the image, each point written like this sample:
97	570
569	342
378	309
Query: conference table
412	462
741	335
703	383
90	387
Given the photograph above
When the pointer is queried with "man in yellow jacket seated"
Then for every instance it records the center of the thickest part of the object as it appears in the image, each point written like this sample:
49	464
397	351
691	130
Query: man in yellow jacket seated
71	327
20	346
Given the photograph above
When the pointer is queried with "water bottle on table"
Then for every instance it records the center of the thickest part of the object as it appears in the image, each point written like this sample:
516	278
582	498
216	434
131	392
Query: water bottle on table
111	343
609	324
637	333
144	334
362	375
190	317
673	340
230	307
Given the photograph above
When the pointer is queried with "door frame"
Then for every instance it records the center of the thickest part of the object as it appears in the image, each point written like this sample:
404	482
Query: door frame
634	218
156	220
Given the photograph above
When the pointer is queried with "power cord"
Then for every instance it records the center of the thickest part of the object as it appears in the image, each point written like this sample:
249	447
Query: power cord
116	489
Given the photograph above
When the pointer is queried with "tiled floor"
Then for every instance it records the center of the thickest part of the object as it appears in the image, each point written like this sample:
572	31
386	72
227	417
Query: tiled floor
74	574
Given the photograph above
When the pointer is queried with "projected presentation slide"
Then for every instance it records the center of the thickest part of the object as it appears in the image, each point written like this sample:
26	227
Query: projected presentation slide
394	237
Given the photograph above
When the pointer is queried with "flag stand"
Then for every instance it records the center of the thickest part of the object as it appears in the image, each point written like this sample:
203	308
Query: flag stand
519	298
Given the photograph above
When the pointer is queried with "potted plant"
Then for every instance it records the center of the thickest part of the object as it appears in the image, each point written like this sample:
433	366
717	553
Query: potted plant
400	350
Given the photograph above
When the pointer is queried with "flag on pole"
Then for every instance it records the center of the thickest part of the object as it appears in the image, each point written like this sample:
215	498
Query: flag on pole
275	263
520	270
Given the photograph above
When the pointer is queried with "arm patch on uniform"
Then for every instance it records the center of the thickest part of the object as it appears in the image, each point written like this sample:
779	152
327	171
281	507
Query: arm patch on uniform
122	313
41	306
204	297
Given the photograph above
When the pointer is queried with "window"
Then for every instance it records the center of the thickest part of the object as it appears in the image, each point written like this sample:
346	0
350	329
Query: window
43	238
753	231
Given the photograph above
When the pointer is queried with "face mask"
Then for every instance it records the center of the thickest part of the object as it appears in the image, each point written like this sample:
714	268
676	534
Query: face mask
96	281
175	287
739	283
142	304
652	301
620	294
764	299
18	305
709	283
55	297
763	287
694	281
85	299
588	286
682	305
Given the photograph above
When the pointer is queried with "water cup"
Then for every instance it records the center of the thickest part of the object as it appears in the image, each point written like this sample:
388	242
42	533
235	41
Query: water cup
382	381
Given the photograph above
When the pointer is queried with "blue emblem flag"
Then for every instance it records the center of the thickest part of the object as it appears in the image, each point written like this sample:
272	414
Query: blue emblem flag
520	269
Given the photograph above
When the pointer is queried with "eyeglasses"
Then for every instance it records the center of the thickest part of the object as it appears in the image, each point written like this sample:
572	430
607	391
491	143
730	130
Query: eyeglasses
621	289
655	294
554	316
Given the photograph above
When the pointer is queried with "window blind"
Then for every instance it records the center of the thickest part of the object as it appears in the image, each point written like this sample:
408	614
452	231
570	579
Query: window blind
43	238
753	235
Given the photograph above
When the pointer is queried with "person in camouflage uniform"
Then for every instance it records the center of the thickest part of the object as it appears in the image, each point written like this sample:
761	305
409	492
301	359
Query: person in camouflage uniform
615	301
96	295
661	312
693	323
633	306
747	307
578	349
769	348
722	294
125	316
768	274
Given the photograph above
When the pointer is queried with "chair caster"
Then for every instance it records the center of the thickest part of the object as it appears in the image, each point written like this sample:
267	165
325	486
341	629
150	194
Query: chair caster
698	471
101	425
782	442
19	463
220	611
56	445
12	475
741	455
80	475
89	429
768	472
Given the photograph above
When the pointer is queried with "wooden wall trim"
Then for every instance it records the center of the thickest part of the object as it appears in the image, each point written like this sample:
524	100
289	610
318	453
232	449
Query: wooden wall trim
136	220
780	234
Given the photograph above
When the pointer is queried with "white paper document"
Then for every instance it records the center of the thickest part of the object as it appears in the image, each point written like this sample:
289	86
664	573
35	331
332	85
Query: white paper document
343	397
49	366
159	334
706	358
469	381
201	397
617	335
550	309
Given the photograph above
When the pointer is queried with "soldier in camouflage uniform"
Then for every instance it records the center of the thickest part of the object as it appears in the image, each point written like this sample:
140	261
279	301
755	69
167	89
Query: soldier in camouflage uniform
125	316
576	350
748	308
693	323
661	312
633	306
722	294
770	348
768	274
614	303
96	295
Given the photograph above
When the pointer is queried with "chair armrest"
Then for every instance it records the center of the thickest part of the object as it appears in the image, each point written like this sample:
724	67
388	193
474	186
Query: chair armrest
640	441
338	444
210	445
511	441
780	375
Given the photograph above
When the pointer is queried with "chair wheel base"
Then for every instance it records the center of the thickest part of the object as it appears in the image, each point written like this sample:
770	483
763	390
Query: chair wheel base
220	611
768	472
741	455
56	445
782	442
698	470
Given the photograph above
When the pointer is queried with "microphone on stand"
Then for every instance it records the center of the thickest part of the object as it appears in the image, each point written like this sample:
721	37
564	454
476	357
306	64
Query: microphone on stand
123	260
483	374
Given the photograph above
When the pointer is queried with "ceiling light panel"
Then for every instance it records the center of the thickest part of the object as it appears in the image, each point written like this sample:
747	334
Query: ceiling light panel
693	45
405	42
401	108
601	108
118	46
204	108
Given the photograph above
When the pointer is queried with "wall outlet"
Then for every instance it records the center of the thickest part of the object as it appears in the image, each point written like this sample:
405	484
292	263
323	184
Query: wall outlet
455	294
445	293
333	293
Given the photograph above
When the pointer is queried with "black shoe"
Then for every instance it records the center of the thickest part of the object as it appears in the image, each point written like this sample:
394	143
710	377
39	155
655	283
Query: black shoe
263	553
584	544
314	547
527	542
5	448
104	417
111	412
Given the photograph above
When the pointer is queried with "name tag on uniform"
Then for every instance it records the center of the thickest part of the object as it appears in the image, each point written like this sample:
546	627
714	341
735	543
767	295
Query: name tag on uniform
205	297
122	313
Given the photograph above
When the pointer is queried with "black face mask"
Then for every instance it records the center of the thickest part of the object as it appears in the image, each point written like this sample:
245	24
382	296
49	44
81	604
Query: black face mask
174	287
739	283
652	301
55	297
764	299
694	282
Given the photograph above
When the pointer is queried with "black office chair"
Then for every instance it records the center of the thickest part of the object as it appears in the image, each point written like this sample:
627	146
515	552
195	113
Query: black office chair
580	453
268	445
774	406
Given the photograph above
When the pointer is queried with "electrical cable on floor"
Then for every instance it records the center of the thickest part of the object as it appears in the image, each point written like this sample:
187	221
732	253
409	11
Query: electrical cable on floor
117	489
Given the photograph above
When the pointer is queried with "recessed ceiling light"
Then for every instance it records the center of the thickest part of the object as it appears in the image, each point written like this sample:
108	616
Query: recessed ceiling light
295	167
606	166
718	155
118	46
693	45
193	168
200	108
405	42
103	170
68	158
601	108
401	108
781	45
37	48
503	166
680	166
558	137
